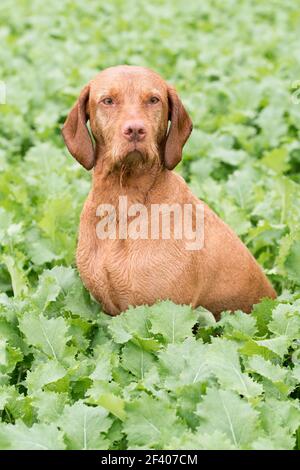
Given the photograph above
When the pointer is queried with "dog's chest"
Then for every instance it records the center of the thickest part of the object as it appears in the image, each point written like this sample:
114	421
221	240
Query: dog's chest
132	271
119	273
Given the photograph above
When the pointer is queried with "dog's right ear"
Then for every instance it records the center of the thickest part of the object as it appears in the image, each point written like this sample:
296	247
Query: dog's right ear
75	132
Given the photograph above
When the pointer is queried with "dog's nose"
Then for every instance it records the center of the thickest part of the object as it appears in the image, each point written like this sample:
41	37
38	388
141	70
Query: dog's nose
134	131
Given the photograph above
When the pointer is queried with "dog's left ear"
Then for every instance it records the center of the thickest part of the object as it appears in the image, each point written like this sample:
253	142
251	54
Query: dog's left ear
75	132
180	129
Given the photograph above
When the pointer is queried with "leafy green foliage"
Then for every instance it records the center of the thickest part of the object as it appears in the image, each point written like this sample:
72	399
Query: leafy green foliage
132	384
74	378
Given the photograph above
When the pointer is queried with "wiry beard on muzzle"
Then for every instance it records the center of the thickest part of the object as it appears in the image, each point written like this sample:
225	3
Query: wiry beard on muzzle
128	162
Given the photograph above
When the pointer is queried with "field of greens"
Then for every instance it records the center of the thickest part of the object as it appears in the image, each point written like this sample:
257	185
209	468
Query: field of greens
161	377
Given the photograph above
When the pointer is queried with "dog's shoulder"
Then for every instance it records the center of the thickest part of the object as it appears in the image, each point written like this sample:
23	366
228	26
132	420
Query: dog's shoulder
180	190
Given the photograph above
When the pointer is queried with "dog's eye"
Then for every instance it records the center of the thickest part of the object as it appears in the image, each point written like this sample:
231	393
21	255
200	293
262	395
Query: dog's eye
153	100
108	101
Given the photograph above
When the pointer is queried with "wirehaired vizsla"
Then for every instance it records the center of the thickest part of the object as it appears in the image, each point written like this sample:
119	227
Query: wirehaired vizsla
139	127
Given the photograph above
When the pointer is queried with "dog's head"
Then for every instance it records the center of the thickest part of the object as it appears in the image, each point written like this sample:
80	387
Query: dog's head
129	109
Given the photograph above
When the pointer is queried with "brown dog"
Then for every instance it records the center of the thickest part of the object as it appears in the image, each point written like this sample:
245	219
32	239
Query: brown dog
132	155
